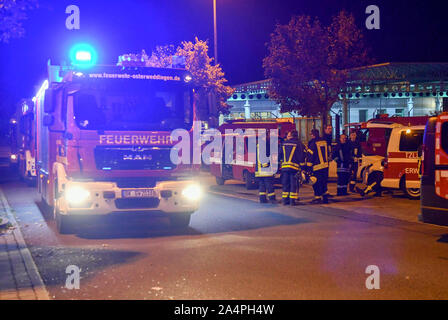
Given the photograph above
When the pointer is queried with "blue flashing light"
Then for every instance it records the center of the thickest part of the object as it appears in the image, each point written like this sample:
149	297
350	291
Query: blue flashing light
83	55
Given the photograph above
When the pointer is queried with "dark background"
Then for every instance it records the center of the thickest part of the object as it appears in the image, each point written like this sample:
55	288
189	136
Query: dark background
410	31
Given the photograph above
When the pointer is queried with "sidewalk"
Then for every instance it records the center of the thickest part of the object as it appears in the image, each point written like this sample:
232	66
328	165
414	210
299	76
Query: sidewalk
19	277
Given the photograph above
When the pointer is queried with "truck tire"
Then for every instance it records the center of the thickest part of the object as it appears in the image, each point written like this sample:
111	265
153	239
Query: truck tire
220	181
64	223
180	220
411	193
249	180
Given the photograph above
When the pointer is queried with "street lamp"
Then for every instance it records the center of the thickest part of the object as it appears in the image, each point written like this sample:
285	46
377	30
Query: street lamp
215	32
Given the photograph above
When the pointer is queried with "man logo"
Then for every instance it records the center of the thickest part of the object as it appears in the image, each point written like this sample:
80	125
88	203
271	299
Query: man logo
137	157
72	281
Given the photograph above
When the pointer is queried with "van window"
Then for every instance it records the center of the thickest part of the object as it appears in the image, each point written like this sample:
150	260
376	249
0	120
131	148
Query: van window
411	141
445	137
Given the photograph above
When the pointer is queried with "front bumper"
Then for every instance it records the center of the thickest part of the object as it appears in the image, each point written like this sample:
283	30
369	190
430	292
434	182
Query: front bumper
106	197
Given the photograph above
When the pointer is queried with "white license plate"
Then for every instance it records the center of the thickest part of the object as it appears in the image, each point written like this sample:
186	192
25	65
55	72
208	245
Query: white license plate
138	193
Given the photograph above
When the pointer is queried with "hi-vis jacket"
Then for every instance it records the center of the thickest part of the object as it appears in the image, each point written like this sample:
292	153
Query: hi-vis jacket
342	154
265	169
292	155
317	154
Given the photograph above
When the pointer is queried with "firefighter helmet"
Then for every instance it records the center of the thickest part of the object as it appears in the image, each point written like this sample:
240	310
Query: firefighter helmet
313	180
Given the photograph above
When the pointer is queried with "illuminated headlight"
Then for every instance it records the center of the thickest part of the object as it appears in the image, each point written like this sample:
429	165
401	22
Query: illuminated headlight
188	78
192	192
76	195
13	157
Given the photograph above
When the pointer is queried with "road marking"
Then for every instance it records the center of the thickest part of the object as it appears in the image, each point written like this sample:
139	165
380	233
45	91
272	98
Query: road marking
36	280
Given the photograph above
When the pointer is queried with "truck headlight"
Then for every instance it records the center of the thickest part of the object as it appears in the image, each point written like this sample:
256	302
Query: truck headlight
192	192
76	195
13	157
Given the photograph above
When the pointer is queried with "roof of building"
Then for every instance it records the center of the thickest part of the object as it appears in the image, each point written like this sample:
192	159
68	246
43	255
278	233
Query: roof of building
384	73
401	71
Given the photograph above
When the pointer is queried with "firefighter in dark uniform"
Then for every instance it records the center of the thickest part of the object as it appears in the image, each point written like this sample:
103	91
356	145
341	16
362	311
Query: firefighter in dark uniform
264	173
342	154
328	136
292	157
373	184
317	163
357	156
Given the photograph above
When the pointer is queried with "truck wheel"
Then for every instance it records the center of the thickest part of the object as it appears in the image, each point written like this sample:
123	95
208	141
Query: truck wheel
180	220
63	223
412	193
220	181
249	180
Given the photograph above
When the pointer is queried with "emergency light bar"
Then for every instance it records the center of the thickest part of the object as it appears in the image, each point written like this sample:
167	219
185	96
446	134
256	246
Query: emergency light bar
83	55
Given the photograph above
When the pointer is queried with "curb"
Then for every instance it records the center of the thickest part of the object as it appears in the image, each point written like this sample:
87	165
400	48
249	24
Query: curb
36	280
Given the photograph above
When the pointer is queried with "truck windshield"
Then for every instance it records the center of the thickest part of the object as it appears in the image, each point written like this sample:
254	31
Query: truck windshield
132	106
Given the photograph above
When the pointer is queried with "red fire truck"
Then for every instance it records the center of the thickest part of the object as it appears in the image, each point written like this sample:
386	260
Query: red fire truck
24	140
103	141
434	186
243	170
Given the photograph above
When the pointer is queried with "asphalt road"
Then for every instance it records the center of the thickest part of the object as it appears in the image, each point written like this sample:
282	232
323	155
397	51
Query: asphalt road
237	248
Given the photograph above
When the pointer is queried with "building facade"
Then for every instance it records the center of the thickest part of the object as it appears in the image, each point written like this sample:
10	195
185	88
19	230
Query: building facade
397	89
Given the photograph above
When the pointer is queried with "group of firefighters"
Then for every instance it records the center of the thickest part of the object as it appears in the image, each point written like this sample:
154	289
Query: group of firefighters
310	164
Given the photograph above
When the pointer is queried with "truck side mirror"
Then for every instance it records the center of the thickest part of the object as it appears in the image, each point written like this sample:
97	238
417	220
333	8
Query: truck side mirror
48	101
48	120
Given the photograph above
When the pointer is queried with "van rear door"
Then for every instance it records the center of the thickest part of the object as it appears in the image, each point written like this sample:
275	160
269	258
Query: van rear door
441	157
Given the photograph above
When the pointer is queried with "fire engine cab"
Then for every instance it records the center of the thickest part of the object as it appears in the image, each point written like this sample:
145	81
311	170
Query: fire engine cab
103	141
434	177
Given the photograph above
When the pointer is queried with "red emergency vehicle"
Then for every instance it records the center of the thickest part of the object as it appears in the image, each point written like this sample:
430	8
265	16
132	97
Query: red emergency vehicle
103	141
243	170
375	133
434	178
24	140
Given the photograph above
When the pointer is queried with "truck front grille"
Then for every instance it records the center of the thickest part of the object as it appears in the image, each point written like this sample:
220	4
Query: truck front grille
133	158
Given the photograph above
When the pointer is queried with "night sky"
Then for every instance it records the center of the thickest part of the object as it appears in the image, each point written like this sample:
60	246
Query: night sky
410	31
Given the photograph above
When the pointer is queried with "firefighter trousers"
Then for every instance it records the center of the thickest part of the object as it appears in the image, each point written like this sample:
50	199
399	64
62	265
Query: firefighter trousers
290	186
266	188
320	187
354	172
343	179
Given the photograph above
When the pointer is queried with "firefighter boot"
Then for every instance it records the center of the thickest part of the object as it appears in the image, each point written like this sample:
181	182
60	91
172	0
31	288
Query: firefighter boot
324	198
316	200
360	191
352	187
263	199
